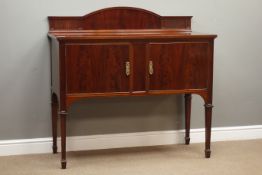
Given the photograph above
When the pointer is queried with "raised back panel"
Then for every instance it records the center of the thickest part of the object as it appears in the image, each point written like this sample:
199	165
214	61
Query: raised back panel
119	18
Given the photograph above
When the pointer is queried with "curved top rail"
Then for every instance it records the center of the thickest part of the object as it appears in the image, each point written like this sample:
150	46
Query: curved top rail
135	9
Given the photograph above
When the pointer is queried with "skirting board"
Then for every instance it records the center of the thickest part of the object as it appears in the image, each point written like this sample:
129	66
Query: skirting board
94	142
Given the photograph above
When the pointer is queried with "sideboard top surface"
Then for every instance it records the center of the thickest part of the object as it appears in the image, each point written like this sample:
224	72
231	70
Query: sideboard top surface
126	34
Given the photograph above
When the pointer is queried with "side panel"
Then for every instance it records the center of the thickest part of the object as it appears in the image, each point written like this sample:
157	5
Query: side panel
55	79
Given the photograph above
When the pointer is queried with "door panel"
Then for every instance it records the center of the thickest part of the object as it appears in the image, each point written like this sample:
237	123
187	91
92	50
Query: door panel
178	65
97	68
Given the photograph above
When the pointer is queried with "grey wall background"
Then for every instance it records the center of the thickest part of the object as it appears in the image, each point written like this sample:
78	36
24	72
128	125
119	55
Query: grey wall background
25	72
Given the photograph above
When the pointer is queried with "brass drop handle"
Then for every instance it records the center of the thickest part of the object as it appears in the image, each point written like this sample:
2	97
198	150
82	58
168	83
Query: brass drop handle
151	68
127	68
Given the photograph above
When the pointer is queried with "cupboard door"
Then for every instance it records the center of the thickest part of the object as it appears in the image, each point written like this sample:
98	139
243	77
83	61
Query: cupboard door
178	65
97	68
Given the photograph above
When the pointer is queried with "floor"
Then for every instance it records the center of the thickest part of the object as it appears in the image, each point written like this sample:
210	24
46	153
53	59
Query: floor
227	158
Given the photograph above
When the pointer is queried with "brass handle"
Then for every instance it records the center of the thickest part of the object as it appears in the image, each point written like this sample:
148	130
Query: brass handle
127	68
151	69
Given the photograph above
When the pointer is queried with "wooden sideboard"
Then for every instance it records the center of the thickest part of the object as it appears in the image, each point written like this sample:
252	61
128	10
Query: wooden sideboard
124	51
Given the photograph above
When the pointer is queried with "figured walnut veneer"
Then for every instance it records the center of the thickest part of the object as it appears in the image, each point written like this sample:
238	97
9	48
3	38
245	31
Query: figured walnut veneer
124	51
119	18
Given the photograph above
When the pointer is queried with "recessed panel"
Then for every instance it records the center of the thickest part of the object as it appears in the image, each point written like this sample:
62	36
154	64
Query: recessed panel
97	68
178	65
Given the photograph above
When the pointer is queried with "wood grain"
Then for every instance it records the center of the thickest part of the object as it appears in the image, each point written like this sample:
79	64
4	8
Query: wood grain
178	65
89	55
119	18
94	68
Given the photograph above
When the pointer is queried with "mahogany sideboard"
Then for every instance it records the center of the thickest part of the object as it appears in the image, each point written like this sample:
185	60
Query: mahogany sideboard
125	51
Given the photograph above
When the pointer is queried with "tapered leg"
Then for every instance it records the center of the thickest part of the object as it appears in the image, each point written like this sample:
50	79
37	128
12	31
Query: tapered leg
63	115
188	98
208	119
54	123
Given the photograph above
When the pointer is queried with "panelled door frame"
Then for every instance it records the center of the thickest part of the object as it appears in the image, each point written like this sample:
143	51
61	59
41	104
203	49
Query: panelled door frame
130	59
148	59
